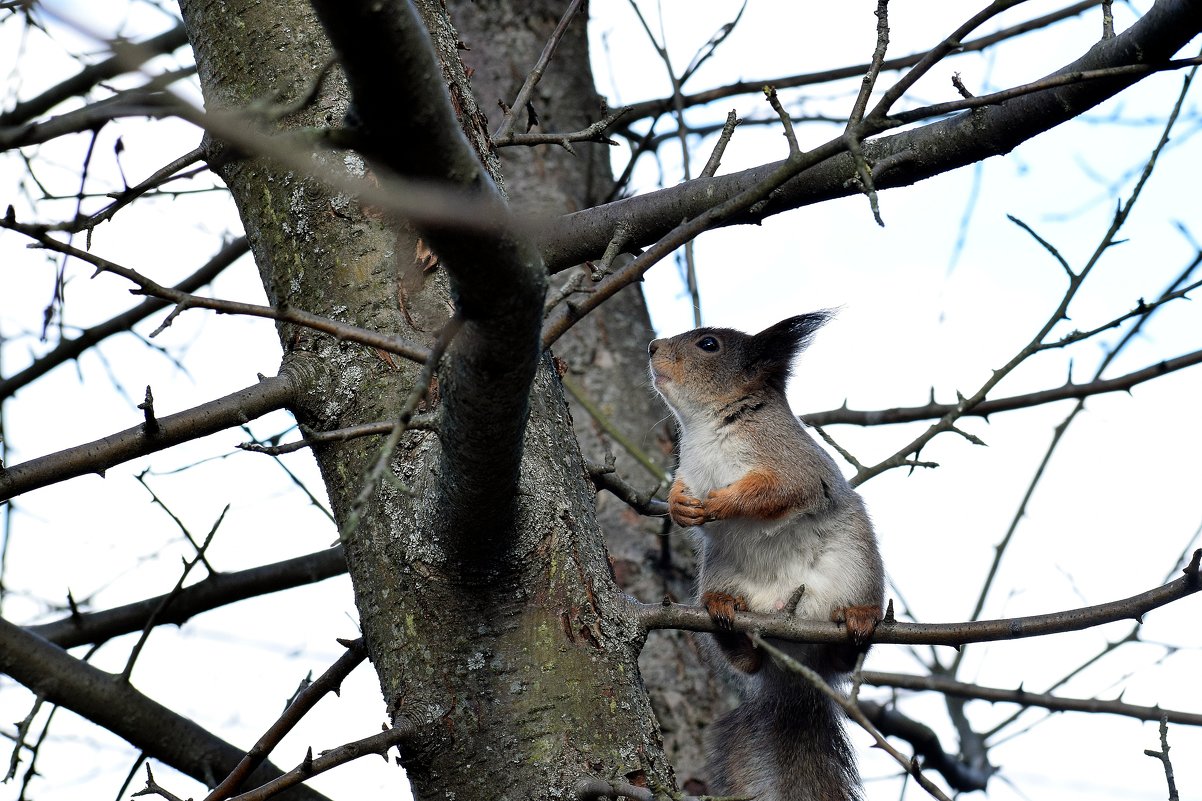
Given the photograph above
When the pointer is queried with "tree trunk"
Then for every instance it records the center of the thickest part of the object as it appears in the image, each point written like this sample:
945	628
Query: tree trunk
606	353
518	668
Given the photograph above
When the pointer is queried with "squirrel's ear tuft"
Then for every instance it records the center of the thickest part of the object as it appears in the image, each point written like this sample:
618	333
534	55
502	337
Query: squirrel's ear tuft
776	345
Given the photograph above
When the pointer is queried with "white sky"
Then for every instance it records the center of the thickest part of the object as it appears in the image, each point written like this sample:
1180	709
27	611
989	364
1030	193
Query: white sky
1116	508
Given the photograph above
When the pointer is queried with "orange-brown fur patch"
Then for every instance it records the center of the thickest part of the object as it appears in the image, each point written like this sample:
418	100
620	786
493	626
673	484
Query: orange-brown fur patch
759	495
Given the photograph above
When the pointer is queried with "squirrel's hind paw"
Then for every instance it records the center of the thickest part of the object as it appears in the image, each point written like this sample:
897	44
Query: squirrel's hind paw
861	621
722	607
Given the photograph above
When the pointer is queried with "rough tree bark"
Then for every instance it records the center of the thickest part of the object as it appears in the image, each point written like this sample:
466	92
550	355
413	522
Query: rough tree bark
606	353
496	631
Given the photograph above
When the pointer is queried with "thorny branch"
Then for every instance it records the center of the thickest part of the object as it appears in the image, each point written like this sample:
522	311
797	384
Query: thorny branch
115	705
234	409
505	129
959	689
219	589
1163	756
1069	391
328	682
376	744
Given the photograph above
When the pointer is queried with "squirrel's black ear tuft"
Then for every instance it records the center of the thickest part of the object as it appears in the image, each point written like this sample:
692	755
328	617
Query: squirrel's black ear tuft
775	346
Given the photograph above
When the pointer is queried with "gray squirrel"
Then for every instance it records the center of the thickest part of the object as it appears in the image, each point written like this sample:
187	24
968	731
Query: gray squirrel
772	514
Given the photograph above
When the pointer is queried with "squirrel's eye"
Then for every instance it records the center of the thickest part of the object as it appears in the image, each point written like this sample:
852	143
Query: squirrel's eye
708	344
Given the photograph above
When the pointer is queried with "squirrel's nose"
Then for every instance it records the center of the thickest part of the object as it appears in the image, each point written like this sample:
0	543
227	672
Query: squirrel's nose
653	347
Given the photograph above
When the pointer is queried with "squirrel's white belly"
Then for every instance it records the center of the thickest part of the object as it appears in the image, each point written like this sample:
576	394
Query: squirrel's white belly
766	562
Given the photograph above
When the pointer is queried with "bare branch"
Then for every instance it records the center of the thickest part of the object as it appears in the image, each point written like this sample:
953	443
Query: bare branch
959	689
604	477
328	682
1075	281
963	139
505	129
310	767
183	300
126	56
930	411
695	618
1163	756
147	100
97	456
597	132
728	130
166	173
115	705
417	422
219	589
651	108
71	348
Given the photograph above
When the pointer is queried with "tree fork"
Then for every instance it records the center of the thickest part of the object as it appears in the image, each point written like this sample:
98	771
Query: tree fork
528	676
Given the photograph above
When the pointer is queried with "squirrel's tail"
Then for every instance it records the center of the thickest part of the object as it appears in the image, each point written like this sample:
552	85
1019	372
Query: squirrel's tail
786	742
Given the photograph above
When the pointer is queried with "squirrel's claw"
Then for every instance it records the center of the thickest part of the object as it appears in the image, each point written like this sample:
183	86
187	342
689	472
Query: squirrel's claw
722	607
686	511
861	621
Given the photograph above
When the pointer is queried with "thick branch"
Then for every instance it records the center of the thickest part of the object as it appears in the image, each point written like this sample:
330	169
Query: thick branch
695	618
115	705
219	589
913	156
933	411
96	457
71	348
409	126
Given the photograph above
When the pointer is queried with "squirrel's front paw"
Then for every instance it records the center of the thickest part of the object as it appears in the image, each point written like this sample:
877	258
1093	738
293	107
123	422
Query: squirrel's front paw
860	621
722	607
684	509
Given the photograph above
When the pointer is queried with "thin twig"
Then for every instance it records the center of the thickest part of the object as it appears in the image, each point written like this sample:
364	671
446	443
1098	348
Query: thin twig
715	160
597	132
645	503
1069	391
947	422
612	430
1163	756
417	422
185	300
536	74
312	766
1074	281
329	681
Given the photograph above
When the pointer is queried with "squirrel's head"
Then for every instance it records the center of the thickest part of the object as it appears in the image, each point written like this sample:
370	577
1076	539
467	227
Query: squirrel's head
700	369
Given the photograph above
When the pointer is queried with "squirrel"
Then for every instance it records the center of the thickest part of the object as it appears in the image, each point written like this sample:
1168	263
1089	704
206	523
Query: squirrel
779	530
